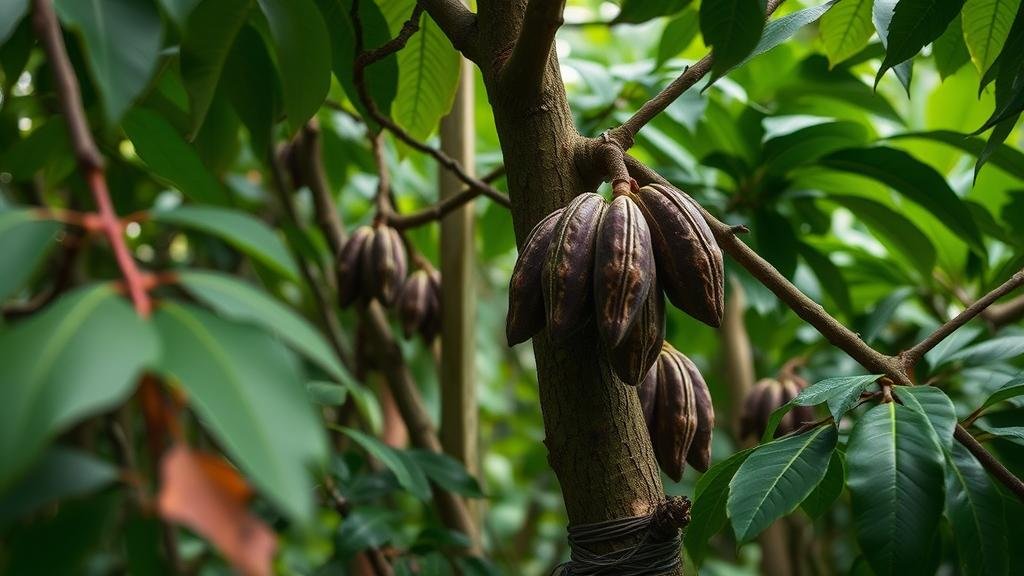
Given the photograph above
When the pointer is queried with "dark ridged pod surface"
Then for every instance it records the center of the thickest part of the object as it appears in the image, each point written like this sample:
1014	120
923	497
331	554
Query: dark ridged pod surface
639	349
675	414
525	299
623	268
568	273
349	265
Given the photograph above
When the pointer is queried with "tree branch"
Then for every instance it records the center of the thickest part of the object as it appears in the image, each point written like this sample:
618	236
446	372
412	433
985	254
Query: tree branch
523	74
457	23
310	164
989	462
1000	315
90	161
913	355
625	134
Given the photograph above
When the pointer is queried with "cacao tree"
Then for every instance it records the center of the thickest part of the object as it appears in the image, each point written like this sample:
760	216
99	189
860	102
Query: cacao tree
763	252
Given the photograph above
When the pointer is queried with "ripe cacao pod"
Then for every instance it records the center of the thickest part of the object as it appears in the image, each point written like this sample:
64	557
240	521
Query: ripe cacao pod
384	265
349	265
699	455
765	397
567	276
637	352
689	260
419	305
525	301
623	268
675	416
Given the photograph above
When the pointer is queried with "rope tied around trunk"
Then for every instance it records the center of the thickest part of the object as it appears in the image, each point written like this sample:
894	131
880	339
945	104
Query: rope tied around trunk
658	539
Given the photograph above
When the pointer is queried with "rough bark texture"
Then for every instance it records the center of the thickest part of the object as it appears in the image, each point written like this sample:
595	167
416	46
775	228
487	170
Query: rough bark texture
596	436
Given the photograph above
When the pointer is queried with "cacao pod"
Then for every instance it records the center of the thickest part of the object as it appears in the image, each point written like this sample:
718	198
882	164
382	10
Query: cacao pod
675	415
525	301
419	304
384	265
648	393
567	276
633	357
689	260
767	395
699	455
349	265
623	268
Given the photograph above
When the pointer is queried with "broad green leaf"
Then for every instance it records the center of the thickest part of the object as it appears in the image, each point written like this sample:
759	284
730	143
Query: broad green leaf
828	490
986	25
881	17
880	316
236	228
677	36
952	344
382	76
1011	389
949	50
46	148
447	472
804	146
179	10
846	29
211	32
11	13
61	473
894	228
253	87
406	471
122	40
915	24
327	393
774	420
709	500
78	357
170	158
975	513
915	180
732	28
842	402
428	73
994	350
776	240
248	390
26	239
776	478
825	390
366	527
1008	158
638	11
895	472
303	55
935	406
778	31
242	302
1014	434
829	276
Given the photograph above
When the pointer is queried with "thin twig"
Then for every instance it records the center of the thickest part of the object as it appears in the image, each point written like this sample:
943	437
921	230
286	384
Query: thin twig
989	462
624	135
90	161
1000	315
913	355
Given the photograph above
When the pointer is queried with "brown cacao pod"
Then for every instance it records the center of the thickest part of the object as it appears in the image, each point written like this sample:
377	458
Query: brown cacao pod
348	267
632	359
568	273
675	414
648	393
384	258
765	397
525	300
415	302
688	258
623	268
699	455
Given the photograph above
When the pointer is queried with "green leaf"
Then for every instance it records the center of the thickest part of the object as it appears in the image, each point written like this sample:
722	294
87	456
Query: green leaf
996	349
303	55
382	76
773	421
776	241
846	29
828	490
975	513
123	40
46	148
1008	158
239	229
234	299
1011	389
253	87
78	357
1014	434
881	16
26	239
825	390
366	527
327	393
61	473
952	344
913	179
179	10
806	145
883	312
935	406
828	275
170	158
428	73
778	31
638	11
247	388
894	228
895	479
211	32
949	50
776	478
11	13
677	36
709	501
986	26
408	474
915	24
732	28
447	472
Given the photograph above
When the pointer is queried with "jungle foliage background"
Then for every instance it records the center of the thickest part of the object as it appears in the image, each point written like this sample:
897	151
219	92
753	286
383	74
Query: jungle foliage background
872	200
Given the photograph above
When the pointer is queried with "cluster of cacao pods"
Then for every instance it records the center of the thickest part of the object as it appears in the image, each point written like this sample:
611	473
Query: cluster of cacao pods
677	408
419	304
767	395
617	259
371	264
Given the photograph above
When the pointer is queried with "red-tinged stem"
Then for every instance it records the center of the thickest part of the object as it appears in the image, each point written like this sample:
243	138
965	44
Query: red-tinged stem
112	227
